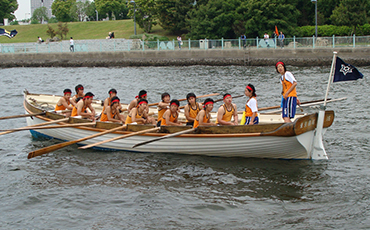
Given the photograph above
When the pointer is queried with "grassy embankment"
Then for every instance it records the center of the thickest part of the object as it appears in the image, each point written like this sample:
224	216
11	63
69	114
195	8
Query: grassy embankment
80	31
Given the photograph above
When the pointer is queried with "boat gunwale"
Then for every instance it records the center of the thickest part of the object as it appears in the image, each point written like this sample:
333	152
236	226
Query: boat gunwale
200	135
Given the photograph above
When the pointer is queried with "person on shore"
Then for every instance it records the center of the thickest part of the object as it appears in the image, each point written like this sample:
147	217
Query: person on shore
79	93
266	37
227	111
39	39
163	106
251	108
289	84
204	116
191	109
82	105
139	114
244	40
170	117
133	103
112	112
71	45
64	103
179	41
107	102
281	39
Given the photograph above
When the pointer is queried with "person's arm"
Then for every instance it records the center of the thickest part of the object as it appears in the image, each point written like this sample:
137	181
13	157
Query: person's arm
109	115
220	114
163	105
236	118
137	120
167	115
187	113
73	100
79	107
65	104
201	117
254	115
132	105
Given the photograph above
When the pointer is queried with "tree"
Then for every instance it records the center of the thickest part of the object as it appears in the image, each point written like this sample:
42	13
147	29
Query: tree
260	16
116	8
325	8
62	30
350	13
40	14
78	11
172	14
7	9
146	13
90	11
51	32
213	20
61	9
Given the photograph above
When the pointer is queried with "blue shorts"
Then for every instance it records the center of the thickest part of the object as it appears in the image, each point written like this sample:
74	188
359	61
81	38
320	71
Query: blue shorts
248	120
289	106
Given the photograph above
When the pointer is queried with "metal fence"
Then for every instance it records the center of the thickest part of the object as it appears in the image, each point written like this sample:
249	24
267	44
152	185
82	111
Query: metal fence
113	45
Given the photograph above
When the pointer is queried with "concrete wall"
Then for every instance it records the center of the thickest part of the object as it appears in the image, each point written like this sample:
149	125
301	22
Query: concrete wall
216	57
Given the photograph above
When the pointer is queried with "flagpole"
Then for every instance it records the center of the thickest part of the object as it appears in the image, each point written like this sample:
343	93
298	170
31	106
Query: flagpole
330	76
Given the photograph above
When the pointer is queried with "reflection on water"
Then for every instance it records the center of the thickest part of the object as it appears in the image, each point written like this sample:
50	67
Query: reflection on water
92	189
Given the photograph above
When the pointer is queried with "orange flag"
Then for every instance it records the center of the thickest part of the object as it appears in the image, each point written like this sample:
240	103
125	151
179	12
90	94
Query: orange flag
276	30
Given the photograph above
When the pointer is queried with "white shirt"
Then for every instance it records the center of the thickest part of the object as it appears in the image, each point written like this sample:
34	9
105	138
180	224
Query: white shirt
289	77
71	42
252	103
266	36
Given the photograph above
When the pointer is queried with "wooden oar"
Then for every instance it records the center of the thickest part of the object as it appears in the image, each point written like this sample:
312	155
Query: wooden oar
41	124
22	115
52	148
184	99
279	106
52	126
165	137
120	137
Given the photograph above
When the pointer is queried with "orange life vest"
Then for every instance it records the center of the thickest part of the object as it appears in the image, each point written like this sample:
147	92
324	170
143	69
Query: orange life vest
172	119
227	114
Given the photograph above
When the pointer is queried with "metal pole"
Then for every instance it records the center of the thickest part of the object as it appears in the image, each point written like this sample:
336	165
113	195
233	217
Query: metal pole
97	16
134	18
316	18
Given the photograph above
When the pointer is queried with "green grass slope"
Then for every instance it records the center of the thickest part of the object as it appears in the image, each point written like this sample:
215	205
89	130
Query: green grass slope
80	31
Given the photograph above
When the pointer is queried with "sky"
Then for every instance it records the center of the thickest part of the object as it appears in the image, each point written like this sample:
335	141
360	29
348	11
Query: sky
24	9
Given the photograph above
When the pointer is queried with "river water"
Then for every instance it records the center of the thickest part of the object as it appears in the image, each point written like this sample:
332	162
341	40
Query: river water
90	189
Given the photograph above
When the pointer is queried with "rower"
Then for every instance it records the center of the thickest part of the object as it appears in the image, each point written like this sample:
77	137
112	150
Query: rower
139	114
204	116
191	109
251	108
82	105
112	112
134	103
227	111
79	93
170	117
107	102
64	103
163	106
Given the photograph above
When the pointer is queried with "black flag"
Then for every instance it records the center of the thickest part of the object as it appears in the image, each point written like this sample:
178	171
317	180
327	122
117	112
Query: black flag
345	72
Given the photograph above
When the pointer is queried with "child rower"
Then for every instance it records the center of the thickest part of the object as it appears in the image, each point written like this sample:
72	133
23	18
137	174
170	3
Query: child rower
139	114
64	103
251	108
163	106
170	117
191	109
134	103
82	105
204	116
227	111
79	93
289	84
112	112
107	102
